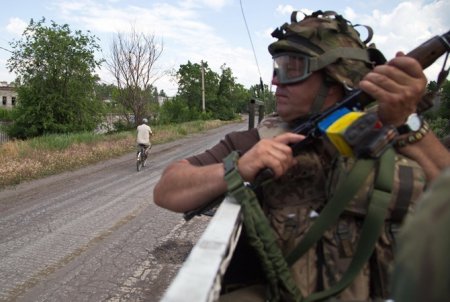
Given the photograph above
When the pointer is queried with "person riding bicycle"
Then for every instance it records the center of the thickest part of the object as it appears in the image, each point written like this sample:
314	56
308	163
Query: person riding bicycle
143	136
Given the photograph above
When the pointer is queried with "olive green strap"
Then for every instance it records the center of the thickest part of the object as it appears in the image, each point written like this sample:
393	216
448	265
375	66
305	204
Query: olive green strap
261	236
372	226
334	207
338	53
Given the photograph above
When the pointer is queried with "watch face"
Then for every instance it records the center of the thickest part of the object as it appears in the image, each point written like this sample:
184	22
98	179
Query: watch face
414	122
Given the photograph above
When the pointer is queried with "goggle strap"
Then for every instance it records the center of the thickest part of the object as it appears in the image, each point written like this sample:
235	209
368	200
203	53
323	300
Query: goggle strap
331	56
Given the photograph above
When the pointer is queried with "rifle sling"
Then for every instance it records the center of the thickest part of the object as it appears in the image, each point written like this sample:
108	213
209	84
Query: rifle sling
262	237
281	286
373	222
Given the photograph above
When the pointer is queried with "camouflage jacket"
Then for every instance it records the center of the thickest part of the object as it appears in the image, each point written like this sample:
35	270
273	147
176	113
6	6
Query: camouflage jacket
293	201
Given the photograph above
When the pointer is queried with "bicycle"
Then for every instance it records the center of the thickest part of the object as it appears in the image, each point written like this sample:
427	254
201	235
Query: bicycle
141	159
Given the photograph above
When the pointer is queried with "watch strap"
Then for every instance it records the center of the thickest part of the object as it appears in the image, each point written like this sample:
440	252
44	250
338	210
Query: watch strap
403	129
413	137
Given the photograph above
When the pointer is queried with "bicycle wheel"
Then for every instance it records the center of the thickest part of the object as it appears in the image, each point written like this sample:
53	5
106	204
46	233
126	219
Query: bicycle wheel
139	161
144	159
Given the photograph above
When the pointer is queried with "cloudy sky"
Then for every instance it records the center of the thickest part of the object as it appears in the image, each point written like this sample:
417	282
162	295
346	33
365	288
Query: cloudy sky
215	31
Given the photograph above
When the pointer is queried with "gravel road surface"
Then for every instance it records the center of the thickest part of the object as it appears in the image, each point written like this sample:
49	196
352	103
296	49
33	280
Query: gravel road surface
95	234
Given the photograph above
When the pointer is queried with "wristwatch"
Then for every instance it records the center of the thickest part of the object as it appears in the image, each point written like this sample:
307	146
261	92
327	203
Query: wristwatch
413	124
415	127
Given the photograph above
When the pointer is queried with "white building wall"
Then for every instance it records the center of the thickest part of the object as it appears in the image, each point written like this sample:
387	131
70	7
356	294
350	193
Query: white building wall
8	96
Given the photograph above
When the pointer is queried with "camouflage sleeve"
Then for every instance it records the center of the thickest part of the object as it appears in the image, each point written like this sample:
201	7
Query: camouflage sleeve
409	183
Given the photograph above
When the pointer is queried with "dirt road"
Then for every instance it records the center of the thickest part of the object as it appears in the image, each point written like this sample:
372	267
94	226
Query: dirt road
95	234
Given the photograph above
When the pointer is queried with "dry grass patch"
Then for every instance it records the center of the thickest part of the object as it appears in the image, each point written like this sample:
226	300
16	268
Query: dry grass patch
30	163
35	158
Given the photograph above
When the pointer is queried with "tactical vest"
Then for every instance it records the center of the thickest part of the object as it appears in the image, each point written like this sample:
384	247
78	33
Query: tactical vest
294	201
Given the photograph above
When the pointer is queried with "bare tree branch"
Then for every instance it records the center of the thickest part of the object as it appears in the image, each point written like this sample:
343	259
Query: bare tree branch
132	63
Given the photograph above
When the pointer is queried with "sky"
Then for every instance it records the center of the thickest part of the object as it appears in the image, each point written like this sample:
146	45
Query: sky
222	31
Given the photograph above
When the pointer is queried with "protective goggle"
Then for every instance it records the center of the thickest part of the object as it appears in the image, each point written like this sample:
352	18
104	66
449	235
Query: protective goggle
291	67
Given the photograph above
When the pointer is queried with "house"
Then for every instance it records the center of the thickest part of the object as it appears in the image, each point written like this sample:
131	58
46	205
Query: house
8	95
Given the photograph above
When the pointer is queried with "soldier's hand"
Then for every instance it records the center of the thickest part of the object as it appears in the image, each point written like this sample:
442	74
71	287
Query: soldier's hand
397	86
269	153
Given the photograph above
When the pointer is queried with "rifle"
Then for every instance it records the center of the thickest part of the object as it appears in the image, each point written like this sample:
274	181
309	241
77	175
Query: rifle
426	54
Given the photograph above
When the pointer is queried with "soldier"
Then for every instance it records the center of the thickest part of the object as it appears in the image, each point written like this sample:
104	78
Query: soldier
421	271
317	62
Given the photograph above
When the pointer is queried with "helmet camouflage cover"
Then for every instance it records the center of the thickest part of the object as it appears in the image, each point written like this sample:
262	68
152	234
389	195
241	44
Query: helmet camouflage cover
332	43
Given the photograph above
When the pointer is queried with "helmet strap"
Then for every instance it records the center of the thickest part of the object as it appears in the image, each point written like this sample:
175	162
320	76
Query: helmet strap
333	55
320	98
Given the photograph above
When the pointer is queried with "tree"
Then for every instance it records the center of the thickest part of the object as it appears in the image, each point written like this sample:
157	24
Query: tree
439	115
224	97
132	62
55	83
190	86
104	91
444	108
233	97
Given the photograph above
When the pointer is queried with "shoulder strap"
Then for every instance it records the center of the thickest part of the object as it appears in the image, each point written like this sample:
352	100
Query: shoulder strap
373	223
262	238
334	207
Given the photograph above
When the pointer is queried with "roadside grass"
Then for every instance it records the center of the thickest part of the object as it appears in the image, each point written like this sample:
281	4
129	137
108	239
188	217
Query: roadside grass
51	154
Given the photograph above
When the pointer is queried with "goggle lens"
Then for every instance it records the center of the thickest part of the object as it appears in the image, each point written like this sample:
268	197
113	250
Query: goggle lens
291	68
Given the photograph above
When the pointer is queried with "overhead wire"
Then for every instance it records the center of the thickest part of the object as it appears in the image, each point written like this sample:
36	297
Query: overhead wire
5	49
253	48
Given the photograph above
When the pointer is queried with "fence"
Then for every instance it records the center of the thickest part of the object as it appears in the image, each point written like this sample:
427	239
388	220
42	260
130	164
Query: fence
3	137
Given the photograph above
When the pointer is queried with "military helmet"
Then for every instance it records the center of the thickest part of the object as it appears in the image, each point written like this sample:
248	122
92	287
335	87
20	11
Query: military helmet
331	43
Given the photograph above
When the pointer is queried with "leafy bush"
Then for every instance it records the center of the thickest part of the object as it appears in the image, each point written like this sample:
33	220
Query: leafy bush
6	114
440	126
174	111
121	125
222	109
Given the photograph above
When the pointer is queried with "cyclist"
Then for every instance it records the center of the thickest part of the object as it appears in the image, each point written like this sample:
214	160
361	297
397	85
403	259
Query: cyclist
143	136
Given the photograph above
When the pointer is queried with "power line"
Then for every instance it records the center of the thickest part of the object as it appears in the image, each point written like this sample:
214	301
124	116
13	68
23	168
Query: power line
251	42
5	49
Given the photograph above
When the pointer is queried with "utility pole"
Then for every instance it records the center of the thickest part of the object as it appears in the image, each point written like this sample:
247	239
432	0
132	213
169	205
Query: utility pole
203	87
